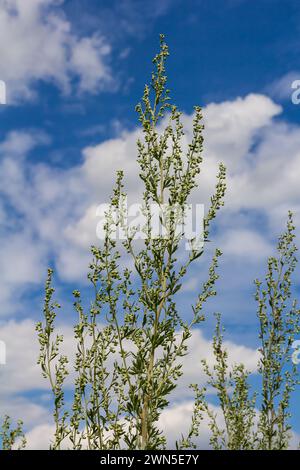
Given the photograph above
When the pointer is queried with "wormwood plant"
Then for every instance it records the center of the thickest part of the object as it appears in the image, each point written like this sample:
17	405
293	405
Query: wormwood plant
256	422
131	340
12	437
279	320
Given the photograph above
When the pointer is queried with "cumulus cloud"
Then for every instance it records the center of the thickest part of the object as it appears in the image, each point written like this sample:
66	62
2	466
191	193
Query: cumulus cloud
246	244
200	348
21	374
49	214
54	210
175	422
37	42
282	87
39	437
21	371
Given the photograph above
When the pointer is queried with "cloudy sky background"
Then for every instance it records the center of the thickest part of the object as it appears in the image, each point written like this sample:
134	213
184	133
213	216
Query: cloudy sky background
74	71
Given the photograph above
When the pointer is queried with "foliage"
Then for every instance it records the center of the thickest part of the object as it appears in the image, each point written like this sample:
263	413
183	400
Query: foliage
130	342
279	320
12	438
131	339
249	423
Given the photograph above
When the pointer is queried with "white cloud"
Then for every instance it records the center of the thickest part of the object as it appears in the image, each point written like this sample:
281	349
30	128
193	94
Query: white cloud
54	210
231	130
246	244
86	64
18	144
37	43
282	87
201	348
22	374
39	437
48	213
232	126
24	409
175	422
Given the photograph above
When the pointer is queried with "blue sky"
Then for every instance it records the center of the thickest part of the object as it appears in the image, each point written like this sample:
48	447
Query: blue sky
74	71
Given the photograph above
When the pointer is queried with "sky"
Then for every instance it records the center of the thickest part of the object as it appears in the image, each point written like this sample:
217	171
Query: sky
74	71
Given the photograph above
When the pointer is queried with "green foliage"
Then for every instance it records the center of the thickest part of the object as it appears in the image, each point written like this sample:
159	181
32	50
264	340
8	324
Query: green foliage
12	438
279	320
49	355
252	422
131	341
